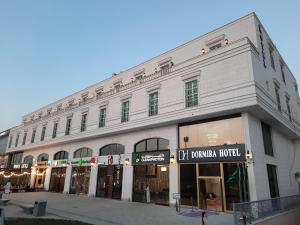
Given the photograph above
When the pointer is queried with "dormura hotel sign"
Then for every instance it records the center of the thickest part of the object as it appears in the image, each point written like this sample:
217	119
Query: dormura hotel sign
223	153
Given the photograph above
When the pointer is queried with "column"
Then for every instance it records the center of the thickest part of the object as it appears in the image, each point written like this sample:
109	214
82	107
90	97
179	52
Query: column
47	178
250	166
93	180
67	179
127	182
173	179
32	177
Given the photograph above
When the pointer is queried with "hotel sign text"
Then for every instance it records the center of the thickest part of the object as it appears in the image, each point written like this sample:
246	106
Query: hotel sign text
223	153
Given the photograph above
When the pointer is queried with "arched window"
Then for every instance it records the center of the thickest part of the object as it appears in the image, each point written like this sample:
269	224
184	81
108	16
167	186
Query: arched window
151	144
43	157
61	155
83	152
112	149
28	159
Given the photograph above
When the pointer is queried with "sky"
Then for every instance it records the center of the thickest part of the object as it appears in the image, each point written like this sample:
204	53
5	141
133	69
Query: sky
51	49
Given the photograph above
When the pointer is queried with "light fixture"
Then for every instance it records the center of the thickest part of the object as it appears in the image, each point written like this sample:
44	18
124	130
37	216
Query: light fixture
203	51
226	41
126	161
172	159
249	157
163	169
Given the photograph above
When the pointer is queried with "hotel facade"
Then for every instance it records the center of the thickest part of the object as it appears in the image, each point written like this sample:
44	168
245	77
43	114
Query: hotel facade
216	119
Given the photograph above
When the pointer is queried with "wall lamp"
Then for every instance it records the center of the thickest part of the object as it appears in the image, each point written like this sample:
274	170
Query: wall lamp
172	159
249	157
127	161
226	41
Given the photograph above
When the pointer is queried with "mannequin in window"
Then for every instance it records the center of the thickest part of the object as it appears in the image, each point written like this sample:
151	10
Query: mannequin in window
147	191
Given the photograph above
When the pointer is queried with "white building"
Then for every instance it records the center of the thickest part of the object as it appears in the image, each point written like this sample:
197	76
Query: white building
218	117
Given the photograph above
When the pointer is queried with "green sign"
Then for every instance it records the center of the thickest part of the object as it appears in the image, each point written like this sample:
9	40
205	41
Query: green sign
81	162
157	157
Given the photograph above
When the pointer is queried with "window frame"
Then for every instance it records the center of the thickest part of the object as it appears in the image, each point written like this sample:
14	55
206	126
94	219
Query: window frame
277	95
68	126
125	114
194	95
55	127
83	124
153	103
102	117
267	139
43	133
272	169
33	136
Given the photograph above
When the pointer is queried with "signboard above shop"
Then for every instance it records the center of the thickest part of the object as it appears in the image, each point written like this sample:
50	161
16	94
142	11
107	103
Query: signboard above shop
157	157
222	153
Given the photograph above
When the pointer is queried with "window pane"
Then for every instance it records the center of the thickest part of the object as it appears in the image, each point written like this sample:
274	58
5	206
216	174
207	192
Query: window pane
152	144
214	133
212	169
163	144
141	147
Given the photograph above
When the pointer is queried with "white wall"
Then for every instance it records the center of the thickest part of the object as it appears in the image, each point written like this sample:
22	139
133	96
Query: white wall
284	154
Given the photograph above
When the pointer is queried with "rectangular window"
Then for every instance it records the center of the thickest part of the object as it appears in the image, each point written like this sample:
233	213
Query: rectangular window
10	141
191	93
68	126
17	140
24	138
83	122
287	99
271	51
102	117
165	69
33	135
273	183
282	71
16	158
277	97
43	133
267	139
153	104
214	47
125	112
54	130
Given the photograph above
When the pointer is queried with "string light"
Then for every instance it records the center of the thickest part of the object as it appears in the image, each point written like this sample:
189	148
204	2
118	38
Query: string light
13	174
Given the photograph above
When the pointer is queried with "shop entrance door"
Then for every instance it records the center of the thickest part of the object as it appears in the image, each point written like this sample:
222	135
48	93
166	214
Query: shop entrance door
210	194
109	181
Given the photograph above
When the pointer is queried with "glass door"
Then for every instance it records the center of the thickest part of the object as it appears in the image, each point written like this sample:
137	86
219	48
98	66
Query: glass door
210	194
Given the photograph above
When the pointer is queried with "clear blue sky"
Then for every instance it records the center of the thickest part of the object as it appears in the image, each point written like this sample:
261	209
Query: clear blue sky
51	49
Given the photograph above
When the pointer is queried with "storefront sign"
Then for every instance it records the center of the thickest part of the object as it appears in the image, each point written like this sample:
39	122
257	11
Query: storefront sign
223	153
60	163
82	161
25	166
157	157
176	195
17	166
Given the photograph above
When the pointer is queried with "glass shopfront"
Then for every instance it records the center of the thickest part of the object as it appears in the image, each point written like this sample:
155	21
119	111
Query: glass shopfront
110	173
109	183
40	171
80	180
151	171
57	180
212	164
58	172
81	170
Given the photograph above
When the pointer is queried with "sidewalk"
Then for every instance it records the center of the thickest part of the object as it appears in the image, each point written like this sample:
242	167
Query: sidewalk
113	212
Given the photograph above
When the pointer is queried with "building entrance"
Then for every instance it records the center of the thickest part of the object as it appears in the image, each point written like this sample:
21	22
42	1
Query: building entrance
109	184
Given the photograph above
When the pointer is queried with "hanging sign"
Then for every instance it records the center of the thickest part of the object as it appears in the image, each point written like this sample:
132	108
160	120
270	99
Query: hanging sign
223	153
157	157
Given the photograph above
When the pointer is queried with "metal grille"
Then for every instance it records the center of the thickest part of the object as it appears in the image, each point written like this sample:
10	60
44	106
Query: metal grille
257	210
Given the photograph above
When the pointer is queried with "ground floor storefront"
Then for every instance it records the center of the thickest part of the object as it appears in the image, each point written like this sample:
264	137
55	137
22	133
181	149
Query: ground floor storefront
209	164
